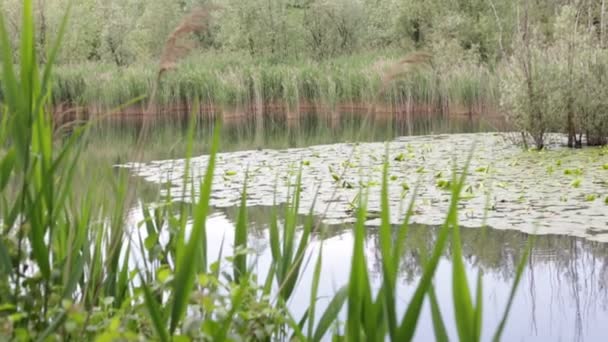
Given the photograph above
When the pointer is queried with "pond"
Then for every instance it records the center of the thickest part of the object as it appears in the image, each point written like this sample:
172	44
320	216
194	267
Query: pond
558	194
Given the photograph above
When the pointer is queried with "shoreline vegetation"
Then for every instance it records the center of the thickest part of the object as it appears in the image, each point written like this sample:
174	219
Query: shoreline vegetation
543	65
236	89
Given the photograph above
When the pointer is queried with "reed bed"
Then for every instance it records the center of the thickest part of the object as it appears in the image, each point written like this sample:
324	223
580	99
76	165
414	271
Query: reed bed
225	83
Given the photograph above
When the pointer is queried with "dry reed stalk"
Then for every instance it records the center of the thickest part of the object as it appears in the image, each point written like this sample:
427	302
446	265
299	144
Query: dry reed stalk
400	69
177	47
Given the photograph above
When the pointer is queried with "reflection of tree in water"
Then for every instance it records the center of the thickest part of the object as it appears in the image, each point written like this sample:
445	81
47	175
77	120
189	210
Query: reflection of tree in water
574	265
577	268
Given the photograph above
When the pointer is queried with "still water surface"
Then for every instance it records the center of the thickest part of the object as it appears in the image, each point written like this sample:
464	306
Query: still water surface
563	293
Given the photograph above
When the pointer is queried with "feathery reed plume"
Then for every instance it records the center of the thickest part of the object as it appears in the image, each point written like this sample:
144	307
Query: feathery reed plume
400	69
177	47
404	66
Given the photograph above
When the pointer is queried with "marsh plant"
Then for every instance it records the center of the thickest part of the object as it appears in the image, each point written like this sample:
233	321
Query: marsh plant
559	85
67	265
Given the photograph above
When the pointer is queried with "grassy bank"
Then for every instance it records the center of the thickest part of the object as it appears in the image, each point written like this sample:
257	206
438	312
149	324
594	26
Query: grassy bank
228	81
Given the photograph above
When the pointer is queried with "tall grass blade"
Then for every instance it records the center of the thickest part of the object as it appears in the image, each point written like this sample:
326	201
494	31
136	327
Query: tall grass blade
52	55
463	306
478	314
155	312
240	237
316	276
194	257
410	320
520	270
388	269
6	266
331	313
441	334
356	288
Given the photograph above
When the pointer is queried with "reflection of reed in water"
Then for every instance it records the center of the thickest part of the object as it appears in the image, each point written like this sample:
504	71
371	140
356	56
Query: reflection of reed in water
577	268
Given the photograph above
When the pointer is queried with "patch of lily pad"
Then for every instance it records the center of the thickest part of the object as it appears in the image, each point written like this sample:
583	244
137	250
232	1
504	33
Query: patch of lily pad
556	191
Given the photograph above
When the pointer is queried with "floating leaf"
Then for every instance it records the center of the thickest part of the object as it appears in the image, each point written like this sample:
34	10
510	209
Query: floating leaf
576	183
590	197
230	173
575	172
482	169
444	184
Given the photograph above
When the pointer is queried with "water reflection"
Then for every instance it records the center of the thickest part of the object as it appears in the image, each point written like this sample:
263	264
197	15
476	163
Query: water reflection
562	295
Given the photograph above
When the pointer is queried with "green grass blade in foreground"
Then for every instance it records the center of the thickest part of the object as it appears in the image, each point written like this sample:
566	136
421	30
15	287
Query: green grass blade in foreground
331	313
386	249
314	290
155	312
478	312
240	237
358	277
194	256
6	265
520	270
463	306
52	55
12	92
441	334
410	320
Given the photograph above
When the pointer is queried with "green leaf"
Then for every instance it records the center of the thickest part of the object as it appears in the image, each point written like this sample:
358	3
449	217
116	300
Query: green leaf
155	312
409	322
331	313
240	236
6	167
386	248
194	257
520	270
313	291
6	267
441	334
463	306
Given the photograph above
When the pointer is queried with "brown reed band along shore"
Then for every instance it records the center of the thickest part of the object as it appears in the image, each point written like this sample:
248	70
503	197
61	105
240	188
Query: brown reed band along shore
64	113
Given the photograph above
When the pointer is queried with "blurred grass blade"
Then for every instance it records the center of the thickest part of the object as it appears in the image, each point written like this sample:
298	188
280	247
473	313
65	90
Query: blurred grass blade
6	167
6	266
520	270
478	322
441	334
194	257
356	288
240	237
463	307
410	320
314	290
330	316
386	249
154	311
52	55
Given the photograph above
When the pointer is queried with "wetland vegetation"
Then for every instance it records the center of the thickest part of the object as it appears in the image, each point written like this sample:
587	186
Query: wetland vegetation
303	170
